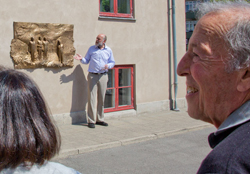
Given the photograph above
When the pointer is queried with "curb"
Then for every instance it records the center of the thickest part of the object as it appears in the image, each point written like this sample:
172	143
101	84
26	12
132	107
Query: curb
68	152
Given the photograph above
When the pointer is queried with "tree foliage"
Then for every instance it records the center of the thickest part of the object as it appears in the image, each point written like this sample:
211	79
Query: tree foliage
105	5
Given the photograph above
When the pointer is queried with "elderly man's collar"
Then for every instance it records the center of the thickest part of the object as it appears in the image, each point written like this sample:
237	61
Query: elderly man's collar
239	116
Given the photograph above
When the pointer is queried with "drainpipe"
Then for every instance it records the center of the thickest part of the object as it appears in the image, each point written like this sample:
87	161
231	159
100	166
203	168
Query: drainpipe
170	55
175	55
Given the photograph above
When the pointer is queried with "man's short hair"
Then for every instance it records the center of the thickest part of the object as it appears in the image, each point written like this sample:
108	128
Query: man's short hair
237	38
105	38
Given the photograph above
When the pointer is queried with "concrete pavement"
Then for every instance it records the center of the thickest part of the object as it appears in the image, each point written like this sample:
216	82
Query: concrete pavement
121	131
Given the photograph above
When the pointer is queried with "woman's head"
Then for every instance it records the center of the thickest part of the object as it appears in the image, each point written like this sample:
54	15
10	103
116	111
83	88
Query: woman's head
27	134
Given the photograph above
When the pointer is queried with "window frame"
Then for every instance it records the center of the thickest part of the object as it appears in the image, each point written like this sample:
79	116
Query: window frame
115	13
117	87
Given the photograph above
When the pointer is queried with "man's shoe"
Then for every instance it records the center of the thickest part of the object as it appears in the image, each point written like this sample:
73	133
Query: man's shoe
102	123
91	125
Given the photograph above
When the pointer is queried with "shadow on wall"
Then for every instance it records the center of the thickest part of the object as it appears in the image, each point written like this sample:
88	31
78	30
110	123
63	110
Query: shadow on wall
79	94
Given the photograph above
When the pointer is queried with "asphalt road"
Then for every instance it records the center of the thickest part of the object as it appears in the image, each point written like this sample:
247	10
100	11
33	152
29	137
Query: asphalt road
176	154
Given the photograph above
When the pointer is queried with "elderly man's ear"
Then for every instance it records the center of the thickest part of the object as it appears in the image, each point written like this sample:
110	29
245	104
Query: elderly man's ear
244	83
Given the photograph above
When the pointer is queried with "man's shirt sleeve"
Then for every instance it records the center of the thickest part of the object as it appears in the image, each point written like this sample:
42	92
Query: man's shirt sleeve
86	59
111	60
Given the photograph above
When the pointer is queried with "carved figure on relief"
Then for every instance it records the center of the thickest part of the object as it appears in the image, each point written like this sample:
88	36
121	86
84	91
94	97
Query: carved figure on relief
39	48
45	48
60	51
32	48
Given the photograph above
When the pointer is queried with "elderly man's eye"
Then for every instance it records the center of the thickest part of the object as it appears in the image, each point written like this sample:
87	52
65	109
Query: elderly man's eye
196	58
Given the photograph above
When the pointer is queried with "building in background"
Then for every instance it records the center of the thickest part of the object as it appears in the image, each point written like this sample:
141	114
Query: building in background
190	9
138	34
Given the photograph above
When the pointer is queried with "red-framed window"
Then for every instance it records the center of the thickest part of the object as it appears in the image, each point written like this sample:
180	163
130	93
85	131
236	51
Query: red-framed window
120	89
116	8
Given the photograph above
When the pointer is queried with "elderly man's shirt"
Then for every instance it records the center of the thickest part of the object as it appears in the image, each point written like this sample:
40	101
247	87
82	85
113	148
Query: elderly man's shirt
231	145
98	58
239	116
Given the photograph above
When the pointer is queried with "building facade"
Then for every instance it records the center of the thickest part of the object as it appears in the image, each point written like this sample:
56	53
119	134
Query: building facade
138	34
190	9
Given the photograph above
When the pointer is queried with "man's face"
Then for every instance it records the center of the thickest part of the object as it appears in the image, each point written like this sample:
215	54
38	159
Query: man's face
99	41
211	91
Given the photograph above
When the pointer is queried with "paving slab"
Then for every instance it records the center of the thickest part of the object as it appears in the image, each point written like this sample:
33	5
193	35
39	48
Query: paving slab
121	131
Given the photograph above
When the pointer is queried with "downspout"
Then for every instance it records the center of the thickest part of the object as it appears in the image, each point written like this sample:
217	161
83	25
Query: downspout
175	56
170	55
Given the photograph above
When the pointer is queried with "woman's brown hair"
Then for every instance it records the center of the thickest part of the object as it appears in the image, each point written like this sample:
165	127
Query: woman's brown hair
27	134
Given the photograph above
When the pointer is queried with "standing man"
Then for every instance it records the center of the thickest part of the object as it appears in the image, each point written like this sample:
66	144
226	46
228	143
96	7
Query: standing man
217	70
100	59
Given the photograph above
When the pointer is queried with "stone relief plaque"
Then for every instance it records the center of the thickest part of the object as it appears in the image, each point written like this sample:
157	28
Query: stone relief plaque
37	45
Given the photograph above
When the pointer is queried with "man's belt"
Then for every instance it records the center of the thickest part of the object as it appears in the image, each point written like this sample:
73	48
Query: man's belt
98	73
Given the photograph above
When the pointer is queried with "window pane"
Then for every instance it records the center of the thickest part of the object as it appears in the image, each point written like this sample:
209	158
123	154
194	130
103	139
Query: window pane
111	76
107	6
109	99
187	8
124	77
187	26
124	96
124	6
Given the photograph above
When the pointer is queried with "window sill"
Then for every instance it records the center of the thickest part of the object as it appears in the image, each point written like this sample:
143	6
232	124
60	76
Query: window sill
116	18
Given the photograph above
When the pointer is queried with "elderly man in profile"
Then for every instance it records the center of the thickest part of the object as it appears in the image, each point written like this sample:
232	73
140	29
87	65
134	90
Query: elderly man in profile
217	70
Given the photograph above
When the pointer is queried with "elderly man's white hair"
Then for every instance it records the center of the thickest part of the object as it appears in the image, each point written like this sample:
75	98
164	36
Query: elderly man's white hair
237	37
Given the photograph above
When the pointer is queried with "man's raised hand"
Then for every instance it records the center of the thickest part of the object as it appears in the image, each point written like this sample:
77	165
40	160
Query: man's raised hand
78	57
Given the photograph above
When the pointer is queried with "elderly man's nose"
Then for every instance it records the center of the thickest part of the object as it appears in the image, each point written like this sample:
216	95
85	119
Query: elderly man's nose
183	67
